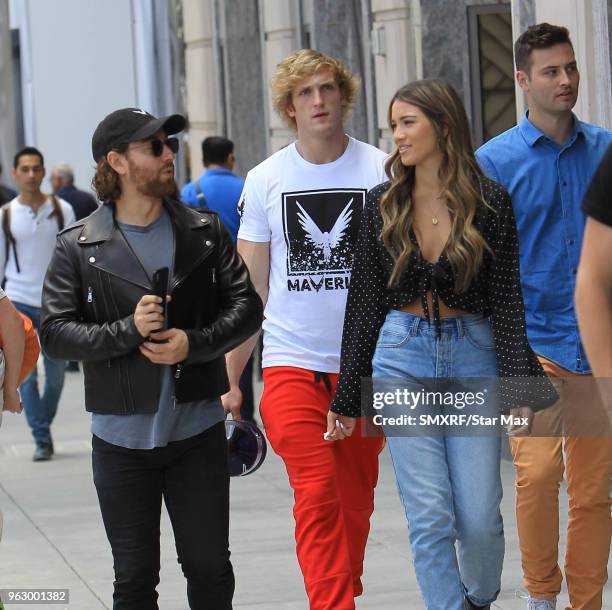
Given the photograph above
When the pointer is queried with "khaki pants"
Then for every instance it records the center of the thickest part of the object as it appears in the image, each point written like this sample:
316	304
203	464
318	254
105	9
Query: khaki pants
540	466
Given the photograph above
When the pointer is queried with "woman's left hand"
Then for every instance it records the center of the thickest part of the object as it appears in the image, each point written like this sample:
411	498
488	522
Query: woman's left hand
339	426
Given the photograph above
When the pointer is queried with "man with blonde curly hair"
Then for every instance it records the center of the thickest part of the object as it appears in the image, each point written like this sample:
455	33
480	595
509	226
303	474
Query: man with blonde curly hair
300	65
300	212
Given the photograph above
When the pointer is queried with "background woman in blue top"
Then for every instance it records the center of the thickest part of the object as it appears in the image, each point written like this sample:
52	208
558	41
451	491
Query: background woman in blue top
439	241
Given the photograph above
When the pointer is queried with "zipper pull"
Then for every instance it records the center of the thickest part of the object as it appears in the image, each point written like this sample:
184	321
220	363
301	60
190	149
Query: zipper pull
214	275
89	294
177	376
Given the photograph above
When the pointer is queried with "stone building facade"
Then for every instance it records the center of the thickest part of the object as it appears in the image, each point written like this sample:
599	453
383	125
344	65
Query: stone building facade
233	46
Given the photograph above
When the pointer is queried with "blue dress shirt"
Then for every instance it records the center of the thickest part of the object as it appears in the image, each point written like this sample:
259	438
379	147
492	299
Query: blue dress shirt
547	183
222	189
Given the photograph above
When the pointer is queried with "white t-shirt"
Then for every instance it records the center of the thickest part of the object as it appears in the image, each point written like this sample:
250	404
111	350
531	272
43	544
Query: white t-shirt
310	215
35	235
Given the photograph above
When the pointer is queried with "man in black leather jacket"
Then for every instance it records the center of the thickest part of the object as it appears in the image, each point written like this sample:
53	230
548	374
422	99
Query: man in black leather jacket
152	381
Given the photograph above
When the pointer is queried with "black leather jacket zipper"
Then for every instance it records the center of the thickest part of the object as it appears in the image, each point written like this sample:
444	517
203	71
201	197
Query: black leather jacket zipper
123	367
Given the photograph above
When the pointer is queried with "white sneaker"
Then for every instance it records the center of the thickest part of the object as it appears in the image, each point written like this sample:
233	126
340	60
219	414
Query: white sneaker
534	603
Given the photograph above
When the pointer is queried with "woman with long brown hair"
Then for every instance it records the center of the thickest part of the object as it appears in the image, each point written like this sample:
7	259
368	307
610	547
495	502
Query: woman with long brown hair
435	293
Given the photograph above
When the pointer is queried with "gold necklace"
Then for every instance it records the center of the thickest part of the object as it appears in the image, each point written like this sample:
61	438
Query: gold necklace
434	216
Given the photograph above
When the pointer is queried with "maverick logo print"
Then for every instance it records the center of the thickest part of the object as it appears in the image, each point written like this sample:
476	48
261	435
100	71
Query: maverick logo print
320	231
325	240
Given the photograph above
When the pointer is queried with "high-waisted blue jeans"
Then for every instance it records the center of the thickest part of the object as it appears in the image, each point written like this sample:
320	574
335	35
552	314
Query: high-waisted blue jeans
450	486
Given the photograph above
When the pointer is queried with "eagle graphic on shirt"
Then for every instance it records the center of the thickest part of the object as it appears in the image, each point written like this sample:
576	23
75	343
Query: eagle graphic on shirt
320	229
325	240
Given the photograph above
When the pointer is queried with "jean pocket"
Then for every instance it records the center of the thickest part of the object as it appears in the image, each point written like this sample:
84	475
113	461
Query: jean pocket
392	337
480	335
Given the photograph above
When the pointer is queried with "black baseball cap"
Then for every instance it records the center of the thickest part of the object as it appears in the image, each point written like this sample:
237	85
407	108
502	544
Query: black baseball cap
128	125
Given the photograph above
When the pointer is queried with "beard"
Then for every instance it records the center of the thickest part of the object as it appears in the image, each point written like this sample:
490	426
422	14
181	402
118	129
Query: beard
152	184
158	188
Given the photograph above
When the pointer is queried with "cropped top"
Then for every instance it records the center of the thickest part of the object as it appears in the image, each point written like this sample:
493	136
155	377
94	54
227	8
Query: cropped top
495	291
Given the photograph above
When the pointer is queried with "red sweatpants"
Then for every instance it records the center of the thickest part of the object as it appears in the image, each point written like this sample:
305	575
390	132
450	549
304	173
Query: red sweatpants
333	483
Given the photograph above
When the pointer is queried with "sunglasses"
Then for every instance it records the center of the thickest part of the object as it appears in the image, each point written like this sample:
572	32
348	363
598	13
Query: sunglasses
157	146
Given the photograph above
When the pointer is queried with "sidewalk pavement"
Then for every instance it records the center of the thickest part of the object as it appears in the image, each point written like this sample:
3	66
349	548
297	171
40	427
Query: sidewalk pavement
54	539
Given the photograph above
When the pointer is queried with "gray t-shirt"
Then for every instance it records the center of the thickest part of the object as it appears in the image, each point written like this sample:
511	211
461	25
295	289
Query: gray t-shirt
170	422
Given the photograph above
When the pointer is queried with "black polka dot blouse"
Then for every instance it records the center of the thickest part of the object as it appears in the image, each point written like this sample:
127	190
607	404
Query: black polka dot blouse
495	291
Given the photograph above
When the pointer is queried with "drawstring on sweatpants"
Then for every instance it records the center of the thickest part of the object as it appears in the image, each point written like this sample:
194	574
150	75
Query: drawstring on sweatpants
318	376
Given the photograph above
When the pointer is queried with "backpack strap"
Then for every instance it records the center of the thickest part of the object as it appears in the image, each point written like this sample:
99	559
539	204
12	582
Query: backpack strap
199	195
9	239
57	212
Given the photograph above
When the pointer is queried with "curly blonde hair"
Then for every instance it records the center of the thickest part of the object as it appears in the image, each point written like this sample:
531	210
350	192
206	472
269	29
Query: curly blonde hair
303	64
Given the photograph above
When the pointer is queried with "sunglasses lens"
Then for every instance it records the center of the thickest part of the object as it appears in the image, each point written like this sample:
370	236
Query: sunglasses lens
157	147
173	144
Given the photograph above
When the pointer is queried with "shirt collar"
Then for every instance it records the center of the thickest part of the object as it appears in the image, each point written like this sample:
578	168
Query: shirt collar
532	134
218	170
46	202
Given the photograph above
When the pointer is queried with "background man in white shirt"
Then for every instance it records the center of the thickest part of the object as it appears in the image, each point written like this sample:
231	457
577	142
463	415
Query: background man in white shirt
300	212
30	224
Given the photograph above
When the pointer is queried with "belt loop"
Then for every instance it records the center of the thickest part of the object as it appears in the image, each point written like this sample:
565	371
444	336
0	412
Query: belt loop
414	328
460	327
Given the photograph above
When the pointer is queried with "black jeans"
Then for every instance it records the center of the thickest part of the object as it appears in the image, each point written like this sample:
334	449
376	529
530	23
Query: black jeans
192	477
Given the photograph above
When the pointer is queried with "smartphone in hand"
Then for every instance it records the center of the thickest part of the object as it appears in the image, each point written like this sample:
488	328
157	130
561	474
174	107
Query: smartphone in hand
160	289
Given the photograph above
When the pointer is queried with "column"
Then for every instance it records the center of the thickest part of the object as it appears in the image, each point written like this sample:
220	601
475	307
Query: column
243	81
587	22
201	74
523	15
396	46
590	31
337	30
281	27
8	130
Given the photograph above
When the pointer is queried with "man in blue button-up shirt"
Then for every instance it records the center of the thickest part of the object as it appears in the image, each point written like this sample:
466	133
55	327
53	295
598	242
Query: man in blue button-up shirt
546	163
219	189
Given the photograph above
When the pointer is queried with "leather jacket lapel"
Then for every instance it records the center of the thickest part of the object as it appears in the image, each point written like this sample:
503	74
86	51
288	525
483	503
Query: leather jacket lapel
113	254
195	242
117	258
